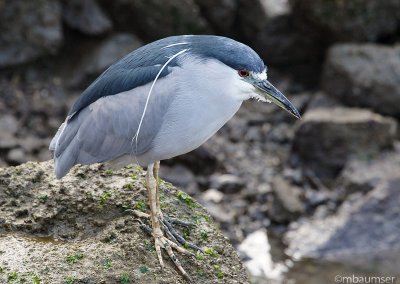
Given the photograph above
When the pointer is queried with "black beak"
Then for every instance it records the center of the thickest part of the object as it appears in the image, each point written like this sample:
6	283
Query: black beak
271	93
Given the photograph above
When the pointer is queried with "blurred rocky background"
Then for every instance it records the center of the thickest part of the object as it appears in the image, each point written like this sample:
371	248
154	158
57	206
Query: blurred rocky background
302	201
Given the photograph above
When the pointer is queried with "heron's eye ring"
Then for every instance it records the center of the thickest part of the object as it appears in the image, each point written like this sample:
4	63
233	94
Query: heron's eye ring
244	73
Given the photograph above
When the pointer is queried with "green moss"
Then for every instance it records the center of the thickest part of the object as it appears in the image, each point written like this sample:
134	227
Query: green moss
134	176
12	277
204	235
201	217
140	205
183	197
125	206
220	275
199	256
108	172
143	269
124	279
218	272
35	279
211	252
201	273
43	198
1	269
74	258
104	197
107	263
70	280
128	186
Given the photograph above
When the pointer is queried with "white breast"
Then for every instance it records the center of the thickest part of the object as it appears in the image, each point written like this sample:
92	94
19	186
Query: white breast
210	93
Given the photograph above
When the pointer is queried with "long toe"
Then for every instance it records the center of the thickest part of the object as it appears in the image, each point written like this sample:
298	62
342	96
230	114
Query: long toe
161	242
168	245
167	225
170	230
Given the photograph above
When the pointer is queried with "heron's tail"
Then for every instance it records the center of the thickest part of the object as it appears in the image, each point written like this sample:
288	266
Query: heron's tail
53	142
64	148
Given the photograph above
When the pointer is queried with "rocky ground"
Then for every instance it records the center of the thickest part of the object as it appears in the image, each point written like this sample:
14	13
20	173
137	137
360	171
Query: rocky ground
318	195
80	230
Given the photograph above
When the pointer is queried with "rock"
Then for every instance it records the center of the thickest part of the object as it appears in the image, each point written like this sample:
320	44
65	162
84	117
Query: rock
202	160
28	30
181	177
32	143
363	234
366	174
278	40
220	14
221	214
276	8
262	10
156	19
226	183
356	20
364	75
322	100
212	195
86	16
8	125
288	202
44	154
280	32
77	228
326	138
106	53
16	156
255	251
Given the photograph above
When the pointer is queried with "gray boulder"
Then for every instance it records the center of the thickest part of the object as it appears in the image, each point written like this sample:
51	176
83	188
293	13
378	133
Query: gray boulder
364	233
363	175
355	20
327	137
221	15
227	183
288	202
267	25
86	16
102	56
155	19
364	75
28	30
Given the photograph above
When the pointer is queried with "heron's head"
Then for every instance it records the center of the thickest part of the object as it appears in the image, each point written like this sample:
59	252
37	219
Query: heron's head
250	72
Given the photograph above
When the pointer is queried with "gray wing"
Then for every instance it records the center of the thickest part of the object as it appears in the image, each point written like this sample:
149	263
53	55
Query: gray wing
105	129
138	68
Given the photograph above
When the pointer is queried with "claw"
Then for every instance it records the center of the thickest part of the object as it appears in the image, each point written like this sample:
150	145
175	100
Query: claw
167	223
178	237
179	222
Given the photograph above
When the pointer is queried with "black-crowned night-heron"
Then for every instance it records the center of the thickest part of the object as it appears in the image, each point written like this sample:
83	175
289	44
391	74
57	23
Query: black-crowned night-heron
160	101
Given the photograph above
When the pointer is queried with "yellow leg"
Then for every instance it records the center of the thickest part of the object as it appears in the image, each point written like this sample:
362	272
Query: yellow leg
155	212
155	172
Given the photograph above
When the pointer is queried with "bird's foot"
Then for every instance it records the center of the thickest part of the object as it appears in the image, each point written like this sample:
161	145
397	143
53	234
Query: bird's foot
168	227
160	241
168	244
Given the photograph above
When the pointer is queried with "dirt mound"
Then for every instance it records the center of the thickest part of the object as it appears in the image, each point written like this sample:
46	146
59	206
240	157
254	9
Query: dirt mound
77	230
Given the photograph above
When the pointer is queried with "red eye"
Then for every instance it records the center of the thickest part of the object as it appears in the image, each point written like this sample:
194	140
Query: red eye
243	73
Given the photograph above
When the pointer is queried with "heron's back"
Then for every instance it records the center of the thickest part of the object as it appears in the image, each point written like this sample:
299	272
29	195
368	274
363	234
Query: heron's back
106	129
